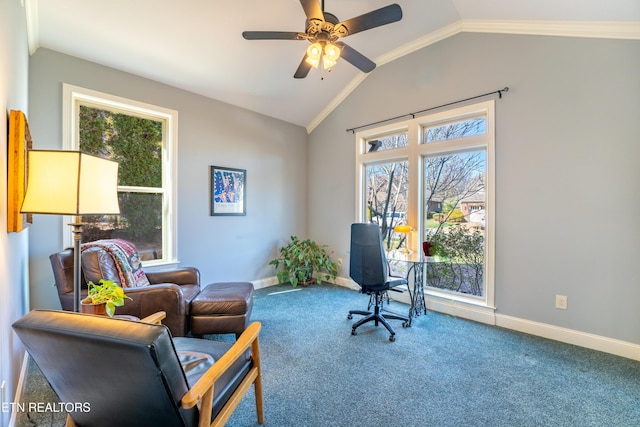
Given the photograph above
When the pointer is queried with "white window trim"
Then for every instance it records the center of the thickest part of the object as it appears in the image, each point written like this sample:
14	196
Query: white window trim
414	153
75	95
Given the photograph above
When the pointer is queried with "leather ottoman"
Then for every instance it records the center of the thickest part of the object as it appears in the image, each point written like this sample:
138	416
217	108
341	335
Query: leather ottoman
222	308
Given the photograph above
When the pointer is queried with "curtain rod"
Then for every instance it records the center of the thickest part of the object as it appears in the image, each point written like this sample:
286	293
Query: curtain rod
413	115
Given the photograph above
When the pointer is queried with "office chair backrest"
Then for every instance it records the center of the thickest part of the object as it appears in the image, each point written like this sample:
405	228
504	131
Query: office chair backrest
128	371
368	263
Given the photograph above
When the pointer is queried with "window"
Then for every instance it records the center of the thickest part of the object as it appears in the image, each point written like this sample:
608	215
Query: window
142	139
439	181
460	129
387	142
386	197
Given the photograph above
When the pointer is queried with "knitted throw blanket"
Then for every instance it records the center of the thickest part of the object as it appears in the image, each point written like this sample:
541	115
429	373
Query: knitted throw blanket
126	259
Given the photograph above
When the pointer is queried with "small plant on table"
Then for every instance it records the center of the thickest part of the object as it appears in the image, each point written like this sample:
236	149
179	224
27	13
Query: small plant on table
108	293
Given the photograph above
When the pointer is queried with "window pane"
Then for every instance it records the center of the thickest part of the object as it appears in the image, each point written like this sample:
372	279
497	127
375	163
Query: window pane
454	213
134	142
386	198
477	126
388	142
140	222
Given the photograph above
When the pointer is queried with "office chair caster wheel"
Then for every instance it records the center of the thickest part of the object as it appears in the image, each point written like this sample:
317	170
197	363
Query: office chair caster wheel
392	337
350	316
406	324
353	332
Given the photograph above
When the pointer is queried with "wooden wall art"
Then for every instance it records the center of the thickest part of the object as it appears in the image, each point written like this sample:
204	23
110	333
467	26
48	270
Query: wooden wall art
18	145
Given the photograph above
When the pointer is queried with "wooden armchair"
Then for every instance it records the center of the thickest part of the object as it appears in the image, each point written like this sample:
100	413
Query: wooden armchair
122	372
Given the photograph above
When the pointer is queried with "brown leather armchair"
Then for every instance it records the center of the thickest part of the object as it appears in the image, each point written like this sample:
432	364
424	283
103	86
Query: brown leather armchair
170	291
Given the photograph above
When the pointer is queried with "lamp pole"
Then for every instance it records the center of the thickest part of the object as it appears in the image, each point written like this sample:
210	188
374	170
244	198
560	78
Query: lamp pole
77	272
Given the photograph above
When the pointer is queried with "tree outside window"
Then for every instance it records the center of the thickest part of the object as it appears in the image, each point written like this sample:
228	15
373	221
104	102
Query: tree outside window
136	143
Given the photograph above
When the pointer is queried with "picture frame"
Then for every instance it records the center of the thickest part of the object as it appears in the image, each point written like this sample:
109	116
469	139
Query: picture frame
18	146
228	191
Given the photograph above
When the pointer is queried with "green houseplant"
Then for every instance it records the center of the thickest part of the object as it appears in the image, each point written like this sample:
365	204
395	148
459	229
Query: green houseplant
299	259
107	293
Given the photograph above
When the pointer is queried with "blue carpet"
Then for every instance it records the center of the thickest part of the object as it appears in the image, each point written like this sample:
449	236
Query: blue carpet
442	371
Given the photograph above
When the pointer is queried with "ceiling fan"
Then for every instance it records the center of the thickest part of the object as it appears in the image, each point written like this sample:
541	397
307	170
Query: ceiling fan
323	31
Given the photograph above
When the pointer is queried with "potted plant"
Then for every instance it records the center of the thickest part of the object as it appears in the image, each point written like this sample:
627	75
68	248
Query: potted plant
434	245
103	298
300	259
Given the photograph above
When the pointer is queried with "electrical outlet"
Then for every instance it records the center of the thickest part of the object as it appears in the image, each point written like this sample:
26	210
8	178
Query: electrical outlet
561	302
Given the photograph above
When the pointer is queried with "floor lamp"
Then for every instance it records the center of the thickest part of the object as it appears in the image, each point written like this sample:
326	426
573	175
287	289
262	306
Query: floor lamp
71	183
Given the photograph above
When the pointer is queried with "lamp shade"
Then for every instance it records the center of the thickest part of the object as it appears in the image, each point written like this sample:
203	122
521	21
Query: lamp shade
70	183
330	56
402	228
314	52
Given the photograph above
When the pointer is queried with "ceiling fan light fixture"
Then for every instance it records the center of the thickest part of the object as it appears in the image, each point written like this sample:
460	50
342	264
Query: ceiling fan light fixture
314	52
324	29
331	55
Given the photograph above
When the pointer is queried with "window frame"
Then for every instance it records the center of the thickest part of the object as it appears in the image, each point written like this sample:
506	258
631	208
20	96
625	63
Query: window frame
73	97
414	153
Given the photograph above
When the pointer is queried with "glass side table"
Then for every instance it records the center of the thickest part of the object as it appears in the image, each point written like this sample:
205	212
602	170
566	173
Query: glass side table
417	264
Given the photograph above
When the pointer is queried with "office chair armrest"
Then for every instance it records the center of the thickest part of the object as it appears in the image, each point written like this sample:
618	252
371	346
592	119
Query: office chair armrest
202	390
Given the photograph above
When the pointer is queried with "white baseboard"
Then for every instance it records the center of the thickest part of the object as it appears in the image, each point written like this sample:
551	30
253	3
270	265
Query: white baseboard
265	283
460	309
347	283
570	336
18	396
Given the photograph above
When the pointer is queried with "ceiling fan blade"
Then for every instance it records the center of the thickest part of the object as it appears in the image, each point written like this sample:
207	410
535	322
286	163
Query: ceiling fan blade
270	35
312	9
376	18
303	69
357	59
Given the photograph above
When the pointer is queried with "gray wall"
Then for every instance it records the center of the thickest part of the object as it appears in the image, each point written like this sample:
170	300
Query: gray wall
14	64
567	150
567	182
273	152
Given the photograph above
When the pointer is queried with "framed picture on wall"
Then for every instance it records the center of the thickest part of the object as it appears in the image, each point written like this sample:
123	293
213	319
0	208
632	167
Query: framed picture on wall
19	144
228	191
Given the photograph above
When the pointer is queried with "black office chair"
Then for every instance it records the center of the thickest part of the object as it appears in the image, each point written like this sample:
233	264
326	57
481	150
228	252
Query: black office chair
368	268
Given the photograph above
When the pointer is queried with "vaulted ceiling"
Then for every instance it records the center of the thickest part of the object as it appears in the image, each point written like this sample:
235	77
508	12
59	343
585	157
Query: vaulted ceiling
197	45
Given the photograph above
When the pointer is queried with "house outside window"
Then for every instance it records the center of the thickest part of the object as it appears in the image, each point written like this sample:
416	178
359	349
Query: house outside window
441	181
142	139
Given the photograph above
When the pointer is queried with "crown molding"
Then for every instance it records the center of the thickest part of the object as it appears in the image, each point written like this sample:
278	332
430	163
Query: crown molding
33	34
429	39
587	29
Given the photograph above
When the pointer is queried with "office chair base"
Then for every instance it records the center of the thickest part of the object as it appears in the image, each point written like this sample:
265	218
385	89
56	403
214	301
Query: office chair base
377	318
